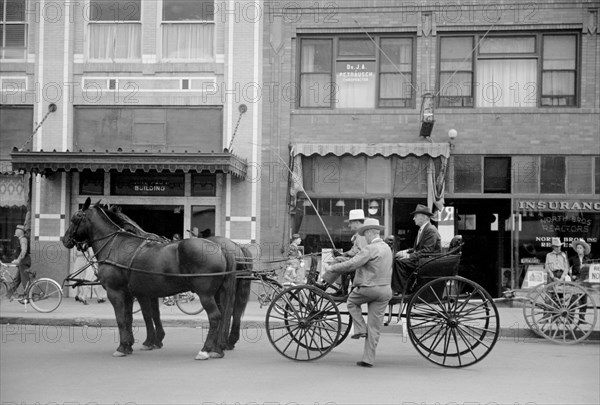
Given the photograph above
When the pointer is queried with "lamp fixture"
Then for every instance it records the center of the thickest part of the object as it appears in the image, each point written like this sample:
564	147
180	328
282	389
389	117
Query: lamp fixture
340	203
373	207
452	134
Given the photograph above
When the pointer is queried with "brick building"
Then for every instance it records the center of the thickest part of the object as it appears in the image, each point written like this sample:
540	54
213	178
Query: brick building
148	116
516	85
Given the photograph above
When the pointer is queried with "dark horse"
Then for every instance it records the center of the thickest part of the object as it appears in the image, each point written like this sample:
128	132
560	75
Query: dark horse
131	265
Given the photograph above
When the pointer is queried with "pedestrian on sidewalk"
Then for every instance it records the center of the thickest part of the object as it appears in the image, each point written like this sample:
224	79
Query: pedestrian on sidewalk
83	292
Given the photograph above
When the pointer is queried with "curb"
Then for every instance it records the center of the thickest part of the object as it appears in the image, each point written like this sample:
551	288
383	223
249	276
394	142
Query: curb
515	333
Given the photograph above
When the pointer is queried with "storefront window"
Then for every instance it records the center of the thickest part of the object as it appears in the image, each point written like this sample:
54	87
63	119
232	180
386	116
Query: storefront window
91	183
496	175
536	222
204	185
552	175
333	212
467	174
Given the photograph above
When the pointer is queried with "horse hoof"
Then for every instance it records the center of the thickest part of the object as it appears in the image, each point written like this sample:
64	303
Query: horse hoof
215	355
145	348
202	356
118	354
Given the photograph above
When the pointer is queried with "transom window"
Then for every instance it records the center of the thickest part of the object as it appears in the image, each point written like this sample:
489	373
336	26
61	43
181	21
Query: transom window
508	71
115	30
356	72
188	29
13	29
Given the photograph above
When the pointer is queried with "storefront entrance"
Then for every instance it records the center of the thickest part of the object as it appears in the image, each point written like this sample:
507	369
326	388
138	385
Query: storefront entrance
163	220
481	222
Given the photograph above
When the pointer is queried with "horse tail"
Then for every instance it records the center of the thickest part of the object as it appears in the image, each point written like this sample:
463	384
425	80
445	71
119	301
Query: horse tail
227	296
242	295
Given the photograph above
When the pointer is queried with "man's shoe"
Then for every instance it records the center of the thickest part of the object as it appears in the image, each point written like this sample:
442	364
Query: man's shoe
77	299
101	300
23	301
358	336
364	364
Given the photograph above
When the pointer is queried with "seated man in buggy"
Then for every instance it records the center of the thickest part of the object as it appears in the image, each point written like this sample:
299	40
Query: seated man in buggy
428	241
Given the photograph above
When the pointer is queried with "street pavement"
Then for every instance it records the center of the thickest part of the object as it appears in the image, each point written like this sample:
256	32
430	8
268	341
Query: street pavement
72	313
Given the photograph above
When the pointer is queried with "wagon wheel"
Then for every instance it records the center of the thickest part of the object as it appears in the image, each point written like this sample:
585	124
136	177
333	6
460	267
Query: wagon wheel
452	322
345	326
528	306
562	312
303	323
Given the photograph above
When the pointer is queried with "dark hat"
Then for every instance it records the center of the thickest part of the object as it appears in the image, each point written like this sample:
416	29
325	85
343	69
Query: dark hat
586	247
422	209
296	236
370	223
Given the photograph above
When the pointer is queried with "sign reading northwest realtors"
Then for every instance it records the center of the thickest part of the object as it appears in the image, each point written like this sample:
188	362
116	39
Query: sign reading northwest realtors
148	184
558	205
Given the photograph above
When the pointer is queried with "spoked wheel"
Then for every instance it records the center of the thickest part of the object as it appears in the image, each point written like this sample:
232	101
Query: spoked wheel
345	326
189	303
303	323
562	312
452	322
45	295
266	291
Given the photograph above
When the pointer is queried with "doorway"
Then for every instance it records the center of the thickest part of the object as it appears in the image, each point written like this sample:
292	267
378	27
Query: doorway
163	220
481	222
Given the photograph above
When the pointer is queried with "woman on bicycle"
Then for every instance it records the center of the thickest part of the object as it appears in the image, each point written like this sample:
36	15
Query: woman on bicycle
23	261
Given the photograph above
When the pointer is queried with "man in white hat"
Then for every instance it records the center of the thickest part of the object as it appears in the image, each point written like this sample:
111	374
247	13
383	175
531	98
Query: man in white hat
557	264
428	241
373	265
355	220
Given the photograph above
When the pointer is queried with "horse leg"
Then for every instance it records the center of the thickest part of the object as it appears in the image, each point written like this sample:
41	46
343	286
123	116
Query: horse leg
242	295
128	307
211	348
147	313
117	299
159	331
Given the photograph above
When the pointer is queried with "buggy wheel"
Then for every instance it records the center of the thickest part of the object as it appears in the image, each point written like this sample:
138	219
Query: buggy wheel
303	323
453	322
45	295
266	290
189	303
562	312
345	326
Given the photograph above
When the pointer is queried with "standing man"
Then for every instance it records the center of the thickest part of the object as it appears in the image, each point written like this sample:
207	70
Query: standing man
557	263
23	261
373	265
428	241
355	220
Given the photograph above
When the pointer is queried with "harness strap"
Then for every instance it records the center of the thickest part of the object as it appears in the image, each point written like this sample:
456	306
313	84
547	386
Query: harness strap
129	268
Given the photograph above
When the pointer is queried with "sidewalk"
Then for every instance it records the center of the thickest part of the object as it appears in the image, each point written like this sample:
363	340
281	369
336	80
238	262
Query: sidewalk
72	313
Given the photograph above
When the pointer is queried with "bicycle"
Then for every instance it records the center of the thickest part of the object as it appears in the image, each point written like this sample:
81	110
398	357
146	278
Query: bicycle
44	294
188	302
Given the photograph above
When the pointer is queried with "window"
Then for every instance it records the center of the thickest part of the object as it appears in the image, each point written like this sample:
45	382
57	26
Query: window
91	183
508	70
467	174
552	175
356	72
496	175
188	29
204	185
13	30
115	29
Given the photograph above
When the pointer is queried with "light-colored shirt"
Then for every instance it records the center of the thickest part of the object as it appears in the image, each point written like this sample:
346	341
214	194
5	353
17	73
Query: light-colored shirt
557	261
373	265
358	243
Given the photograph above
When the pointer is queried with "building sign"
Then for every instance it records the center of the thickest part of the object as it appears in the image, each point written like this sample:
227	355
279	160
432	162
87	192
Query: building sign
558	205
355	84
148	184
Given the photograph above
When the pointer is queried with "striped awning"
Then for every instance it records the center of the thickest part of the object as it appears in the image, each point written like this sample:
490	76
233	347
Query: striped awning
373	149
43	162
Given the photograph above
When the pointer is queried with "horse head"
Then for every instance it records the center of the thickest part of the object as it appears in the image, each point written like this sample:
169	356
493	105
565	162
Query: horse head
78	231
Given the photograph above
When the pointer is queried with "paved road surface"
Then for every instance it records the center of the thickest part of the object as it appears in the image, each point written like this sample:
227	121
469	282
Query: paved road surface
67	364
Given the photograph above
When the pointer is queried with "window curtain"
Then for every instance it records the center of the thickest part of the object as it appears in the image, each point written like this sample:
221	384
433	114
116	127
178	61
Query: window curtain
115	41
507	83
396	82
188	41
355	89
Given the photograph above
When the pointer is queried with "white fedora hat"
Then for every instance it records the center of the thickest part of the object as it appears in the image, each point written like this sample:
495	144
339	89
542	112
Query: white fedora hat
556	242
355	215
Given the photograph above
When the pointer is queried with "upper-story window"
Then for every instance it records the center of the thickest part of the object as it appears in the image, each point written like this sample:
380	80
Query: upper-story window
188	29
115	30
13	32
356	72
508	71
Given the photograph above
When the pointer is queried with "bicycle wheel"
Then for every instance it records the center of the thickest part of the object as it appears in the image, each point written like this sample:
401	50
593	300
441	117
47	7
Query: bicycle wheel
3	291
189	303
45	295
265	290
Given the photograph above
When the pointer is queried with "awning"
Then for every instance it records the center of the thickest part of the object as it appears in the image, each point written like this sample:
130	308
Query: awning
372	149
43	162
13	190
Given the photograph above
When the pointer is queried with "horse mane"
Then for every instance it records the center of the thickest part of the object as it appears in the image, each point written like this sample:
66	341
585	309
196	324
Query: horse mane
116	215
